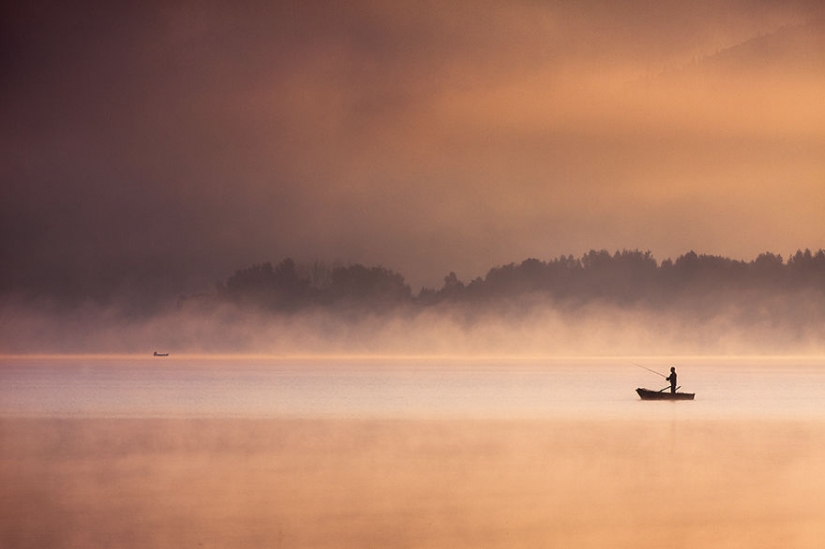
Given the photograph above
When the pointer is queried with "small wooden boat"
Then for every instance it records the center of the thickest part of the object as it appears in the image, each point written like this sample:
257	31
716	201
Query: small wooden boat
665	394
160	354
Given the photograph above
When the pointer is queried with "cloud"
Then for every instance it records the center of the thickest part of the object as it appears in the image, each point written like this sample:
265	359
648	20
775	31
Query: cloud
155	149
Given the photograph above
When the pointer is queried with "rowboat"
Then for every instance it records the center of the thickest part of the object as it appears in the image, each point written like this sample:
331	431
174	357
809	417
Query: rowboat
647	394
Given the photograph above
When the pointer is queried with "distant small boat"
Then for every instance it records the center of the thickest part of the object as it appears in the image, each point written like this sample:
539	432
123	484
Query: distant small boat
647	394
160	354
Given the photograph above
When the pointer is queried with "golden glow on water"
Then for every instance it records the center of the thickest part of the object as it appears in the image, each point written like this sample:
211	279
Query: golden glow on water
136	452
452	484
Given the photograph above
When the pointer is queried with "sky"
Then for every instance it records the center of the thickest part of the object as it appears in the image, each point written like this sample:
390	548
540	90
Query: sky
157	147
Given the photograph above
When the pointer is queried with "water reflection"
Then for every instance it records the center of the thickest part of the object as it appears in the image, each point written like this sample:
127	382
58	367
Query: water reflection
410	483
408	388
561	457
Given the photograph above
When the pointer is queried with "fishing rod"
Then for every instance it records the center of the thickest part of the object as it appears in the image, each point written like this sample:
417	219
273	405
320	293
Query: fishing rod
649	370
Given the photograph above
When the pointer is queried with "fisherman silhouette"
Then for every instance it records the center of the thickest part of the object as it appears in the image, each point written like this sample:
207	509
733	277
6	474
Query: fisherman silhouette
672	379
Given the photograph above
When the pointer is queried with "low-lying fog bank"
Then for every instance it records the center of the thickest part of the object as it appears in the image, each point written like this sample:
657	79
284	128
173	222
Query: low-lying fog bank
788	325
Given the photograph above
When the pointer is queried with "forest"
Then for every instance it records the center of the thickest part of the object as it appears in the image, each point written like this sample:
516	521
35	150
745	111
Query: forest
625	302
627	278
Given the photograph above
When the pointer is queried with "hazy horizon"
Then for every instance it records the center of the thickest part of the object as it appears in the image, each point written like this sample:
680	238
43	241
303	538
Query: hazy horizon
626	304
526	327
156	155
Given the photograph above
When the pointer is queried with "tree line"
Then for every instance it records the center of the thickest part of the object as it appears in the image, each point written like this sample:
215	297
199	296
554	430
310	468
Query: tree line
624	278
289	286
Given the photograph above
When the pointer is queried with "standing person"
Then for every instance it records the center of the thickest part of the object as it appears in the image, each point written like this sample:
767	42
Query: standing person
672	379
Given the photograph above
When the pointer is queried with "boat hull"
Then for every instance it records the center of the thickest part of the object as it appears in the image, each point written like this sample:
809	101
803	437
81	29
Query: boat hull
647	394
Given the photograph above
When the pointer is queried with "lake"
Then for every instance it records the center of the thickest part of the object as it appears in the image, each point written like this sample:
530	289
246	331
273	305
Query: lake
200	451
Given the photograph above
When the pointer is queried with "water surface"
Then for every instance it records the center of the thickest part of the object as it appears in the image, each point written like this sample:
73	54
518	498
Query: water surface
412	452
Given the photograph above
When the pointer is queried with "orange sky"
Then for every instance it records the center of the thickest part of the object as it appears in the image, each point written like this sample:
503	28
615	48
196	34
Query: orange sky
162	147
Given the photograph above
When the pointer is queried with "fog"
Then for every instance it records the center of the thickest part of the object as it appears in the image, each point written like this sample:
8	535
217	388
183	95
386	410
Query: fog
530	325
150	150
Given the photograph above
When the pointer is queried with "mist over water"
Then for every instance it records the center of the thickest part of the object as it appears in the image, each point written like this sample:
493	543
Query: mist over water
409	452
527	326
316	398
414	387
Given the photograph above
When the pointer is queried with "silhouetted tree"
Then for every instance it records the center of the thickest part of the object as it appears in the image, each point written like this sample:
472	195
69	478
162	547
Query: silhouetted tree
252	279
767	271
808	269
374	286
692	282
278	287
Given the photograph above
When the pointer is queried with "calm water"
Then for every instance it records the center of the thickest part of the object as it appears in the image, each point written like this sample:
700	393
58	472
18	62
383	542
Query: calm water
775	388
206	452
